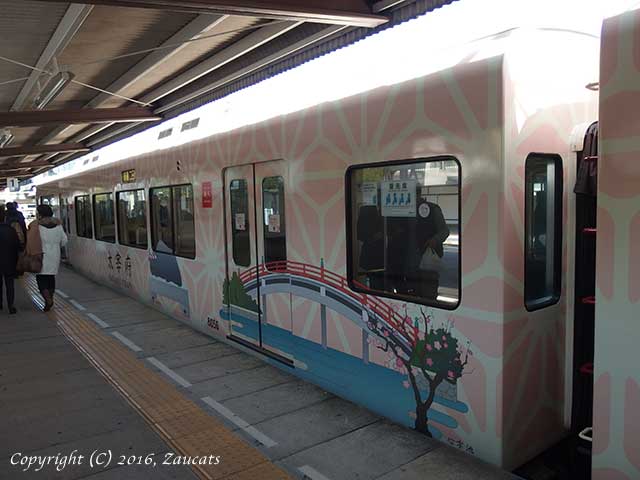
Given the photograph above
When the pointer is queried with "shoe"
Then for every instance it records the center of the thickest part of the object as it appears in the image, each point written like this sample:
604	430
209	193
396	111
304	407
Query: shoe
48	300
12	310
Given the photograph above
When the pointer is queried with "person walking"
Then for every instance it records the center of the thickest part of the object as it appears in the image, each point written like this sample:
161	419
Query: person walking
9	247
52	237
15	219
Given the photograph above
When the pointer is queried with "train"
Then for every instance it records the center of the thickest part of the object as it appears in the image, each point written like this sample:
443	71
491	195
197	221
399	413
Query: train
425	249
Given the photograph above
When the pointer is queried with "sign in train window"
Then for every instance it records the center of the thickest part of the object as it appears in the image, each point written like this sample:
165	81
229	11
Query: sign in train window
543	230
403	230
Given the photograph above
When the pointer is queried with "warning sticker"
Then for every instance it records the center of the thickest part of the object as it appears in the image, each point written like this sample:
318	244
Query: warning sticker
398	198
240	221
274	223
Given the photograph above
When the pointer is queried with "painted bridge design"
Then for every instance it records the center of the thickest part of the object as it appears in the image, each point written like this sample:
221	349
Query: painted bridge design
330	290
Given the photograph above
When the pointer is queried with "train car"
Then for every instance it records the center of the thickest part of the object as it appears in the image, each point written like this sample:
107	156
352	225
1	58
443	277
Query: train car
616	389
409	248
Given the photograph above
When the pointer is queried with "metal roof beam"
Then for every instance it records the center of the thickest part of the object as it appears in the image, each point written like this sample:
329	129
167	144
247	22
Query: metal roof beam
335	12
38	149
288	50
67	28
18	166
223	57
197	27
232	52
77	116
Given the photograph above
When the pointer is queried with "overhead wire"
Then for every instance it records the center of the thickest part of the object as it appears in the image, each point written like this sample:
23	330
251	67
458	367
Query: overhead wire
7	82
86	85
135	53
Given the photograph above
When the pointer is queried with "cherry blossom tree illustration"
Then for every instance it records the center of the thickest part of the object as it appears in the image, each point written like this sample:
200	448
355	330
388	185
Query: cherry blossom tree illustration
428	355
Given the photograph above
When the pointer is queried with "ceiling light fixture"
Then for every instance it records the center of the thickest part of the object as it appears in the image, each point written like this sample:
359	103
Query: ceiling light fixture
52	89
5	137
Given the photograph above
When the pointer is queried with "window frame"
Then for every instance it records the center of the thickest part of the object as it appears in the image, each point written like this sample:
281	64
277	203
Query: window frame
349	231
558	237
173	219
117	206
95	226
77	210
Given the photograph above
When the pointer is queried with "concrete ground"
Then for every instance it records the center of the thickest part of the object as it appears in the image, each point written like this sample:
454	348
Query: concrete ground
57	401
53	401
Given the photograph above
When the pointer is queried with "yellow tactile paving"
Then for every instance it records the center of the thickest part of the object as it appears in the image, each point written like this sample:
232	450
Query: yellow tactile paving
184	425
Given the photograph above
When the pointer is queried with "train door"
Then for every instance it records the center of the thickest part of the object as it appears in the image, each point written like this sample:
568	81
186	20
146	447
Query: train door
584	311
275	299
66	225
257	304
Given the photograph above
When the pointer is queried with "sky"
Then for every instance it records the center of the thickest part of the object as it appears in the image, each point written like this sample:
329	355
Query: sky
382	59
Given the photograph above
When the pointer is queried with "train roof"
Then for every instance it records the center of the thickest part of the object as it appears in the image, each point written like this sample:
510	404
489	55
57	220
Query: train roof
281	95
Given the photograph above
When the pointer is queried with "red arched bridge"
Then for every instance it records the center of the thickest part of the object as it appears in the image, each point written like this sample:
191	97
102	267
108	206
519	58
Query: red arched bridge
332	290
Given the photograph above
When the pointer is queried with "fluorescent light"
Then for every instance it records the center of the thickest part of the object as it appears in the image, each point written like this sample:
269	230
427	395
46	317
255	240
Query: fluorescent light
5	138
52	89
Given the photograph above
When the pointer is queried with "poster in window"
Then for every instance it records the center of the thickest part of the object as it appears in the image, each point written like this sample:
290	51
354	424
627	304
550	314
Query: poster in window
240	221
274	223
369	192
398	198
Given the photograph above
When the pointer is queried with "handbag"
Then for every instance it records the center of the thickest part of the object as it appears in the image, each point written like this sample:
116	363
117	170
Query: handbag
29	263
430	260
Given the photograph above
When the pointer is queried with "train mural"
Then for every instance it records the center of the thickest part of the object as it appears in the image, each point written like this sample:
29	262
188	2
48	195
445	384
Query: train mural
283	238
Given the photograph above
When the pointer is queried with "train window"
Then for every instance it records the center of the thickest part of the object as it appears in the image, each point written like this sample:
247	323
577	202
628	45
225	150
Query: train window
172	220
403	230
83	216
132	218
161	220
103	216
543	230
274	226
184	221
240	240
54	202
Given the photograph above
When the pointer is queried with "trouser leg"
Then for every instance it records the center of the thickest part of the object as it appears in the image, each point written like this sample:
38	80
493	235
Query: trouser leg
1	290
11	292
40	281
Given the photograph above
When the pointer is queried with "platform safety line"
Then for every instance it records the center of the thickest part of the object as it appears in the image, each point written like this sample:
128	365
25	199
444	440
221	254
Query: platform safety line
126	341
245	426
183	425
311	473
168	372
82	308
99	321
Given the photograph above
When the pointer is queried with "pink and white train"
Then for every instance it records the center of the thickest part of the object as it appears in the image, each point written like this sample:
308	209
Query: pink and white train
418	249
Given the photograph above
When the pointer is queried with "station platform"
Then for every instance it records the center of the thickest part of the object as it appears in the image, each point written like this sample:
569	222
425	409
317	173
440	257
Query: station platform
127	388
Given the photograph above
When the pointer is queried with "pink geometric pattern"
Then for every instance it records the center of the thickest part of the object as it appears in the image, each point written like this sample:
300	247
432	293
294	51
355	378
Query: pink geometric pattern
478	111
616	392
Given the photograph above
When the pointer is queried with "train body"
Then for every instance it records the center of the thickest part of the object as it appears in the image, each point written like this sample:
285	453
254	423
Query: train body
409	248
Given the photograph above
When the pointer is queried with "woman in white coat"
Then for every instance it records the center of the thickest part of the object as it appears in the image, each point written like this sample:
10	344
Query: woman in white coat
53	238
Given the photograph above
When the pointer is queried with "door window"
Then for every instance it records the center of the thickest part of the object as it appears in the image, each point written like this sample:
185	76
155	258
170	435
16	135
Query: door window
240	238
274	224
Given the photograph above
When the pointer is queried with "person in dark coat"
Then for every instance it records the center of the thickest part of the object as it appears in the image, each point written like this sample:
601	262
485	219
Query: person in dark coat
9	247
15	218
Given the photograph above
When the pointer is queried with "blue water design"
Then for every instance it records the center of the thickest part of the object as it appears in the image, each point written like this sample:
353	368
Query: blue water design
379	389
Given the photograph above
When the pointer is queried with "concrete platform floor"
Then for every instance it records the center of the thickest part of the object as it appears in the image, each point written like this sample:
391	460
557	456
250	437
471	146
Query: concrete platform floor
53	401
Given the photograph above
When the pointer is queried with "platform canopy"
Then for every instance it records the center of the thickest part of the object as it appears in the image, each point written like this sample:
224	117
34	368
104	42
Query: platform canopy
91	72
